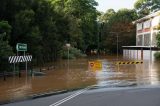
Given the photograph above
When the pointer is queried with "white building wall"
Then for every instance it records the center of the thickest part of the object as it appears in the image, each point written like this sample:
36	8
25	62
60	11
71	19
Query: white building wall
156	21
137	55
147	27
146	55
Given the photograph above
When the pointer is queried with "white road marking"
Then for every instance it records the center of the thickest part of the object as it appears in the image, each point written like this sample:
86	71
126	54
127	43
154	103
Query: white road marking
70	97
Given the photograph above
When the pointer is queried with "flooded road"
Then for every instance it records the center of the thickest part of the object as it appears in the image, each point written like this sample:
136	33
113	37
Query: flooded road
74	74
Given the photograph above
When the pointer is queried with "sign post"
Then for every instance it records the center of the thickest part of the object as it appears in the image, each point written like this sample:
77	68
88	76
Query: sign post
22	47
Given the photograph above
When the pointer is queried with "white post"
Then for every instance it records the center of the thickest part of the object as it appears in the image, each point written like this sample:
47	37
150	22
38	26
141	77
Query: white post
68	46
117	41
142	39
151	41
26	64
117	46
68	56
14	69
26	68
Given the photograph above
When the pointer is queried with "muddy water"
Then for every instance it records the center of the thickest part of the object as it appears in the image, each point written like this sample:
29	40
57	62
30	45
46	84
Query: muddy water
76	74
64	76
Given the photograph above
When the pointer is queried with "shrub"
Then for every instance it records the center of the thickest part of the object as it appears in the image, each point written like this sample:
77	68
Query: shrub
157	55
73	53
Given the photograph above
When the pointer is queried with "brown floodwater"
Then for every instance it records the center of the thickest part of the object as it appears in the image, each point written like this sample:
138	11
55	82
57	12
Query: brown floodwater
74	74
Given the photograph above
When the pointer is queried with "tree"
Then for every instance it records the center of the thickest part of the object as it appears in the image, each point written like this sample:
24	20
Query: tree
120	23
158	39
145	7
5	30
5	49
105	17
46	25
158	36
83	16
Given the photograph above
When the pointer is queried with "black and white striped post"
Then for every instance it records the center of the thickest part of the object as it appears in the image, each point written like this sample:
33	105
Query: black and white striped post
19	59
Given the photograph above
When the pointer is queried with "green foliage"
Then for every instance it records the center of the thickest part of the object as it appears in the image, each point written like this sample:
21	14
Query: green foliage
73	53
46	25
145	7
82	21
158	39
5	49
157	56
105	17
5	52
118	24
5	30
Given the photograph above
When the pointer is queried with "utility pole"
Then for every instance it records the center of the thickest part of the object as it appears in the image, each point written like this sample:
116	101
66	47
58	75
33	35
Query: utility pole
117	46
101	24
117	43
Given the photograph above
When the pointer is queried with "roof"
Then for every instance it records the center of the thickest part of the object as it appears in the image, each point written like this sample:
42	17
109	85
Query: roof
140	48
148	17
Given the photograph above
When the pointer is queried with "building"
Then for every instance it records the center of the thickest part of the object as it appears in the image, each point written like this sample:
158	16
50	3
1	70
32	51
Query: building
147	28
146	43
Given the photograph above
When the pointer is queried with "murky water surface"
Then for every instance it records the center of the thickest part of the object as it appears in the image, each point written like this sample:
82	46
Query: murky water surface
77	74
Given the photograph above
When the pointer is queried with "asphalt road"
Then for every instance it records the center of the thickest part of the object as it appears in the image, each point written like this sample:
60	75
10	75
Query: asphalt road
100	97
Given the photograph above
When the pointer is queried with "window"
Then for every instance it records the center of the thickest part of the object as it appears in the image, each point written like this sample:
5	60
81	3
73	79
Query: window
139	26
139	40
147	39
147	24
154	41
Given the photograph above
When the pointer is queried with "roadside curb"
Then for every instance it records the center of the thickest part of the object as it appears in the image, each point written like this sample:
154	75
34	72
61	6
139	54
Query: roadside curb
40	95
35	96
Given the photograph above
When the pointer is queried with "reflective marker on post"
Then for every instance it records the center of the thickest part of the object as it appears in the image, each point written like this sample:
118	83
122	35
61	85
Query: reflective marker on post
18	59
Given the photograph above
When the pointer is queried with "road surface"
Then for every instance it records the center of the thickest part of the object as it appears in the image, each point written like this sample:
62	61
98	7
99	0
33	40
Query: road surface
99	97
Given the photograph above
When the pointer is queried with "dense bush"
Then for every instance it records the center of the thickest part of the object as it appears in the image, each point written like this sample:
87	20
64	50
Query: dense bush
157	55
5	48
73	53
158	39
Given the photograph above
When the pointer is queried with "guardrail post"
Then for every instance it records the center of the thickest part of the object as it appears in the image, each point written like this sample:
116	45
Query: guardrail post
4	76
19	73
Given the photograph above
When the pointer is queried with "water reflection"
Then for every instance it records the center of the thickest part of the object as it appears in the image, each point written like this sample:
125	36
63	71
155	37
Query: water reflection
77	74
128	75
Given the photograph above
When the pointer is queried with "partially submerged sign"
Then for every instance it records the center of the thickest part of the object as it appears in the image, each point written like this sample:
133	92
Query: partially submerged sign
21	47
95	65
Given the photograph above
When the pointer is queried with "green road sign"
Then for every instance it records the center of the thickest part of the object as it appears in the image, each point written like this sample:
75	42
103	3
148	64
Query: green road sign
21	47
